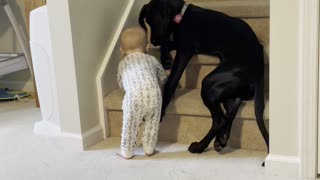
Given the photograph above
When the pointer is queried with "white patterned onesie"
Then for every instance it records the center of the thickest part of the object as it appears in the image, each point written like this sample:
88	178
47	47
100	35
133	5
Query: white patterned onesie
139	75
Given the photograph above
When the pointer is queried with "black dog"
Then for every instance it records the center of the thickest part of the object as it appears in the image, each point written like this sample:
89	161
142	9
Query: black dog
239	75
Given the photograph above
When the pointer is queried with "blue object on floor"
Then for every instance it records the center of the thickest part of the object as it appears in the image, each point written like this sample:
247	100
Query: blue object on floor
10	94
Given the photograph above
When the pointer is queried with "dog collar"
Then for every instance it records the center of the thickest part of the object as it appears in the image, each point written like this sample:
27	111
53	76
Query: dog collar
179	16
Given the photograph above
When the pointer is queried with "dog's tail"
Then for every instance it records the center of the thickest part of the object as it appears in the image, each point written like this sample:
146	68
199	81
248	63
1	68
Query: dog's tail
259	100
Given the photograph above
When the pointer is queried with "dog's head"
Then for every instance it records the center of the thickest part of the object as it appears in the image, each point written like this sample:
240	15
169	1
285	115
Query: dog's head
159	15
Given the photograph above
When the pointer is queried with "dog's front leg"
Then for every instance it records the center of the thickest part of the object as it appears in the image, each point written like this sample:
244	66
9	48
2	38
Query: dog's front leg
166	58
179	64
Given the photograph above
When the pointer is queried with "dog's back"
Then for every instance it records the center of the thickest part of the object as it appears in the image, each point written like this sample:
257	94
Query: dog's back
215	33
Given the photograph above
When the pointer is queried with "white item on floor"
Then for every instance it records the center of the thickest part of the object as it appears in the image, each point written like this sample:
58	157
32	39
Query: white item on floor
43	65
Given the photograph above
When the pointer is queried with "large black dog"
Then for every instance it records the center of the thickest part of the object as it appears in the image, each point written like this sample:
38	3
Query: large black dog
239	75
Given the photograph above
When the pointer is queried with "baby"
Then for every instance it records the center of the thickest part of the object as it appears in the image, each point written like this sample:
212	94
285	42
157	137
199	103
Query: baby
140	76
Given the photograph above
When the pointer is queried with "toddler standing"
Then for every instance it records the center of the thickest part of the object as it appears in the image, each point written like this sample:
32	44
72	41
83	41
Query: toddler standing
140	76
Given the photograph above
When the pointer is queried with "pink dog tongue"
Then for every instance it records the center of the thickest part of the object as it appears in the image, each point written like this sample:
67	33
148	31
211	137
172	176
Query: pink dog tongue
177	18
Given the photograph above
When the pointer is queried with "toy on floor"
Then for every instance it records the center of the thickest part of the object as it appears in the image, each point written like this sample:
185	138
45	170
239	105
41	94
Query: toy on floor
10	94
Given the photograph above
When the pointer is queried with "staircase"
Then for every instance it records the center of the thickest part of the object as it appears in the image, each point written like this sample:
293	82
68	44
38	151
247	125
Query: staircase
187	119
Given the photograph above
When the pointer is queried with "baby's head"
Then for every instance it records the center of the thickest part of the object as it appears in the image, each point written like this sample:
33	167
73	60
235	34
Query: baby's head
133	39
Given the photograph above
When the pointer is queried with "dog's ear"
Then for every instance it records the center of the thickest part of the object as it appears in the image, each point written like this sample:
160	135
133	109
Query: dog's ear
143	14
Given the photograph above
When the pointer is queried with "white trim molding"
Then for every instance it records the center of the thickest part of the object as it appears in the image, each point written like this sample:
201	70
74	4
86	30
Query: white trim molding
75	142
92	137
308	87
294	44
46	128
283	166
83	141
99	78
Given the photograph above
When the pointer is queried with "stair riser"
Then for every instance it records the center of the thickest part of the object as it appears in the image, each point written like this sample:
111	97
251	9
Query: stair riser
187	129
194	74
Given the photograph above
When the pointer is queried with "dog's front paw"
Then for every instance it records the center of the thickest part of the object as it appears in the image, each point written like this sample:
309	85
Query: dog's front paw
166	61
166	66
217	145
196	147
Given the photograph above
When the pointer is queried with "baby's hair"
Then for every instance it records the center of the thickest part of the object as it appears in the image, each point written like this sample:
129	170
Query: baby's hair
133	38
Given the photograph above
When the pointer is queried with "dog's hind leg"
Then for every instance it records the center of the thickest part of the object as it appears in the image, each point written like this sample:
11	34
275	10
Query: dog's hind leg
165	56
209	96
217	124
232	107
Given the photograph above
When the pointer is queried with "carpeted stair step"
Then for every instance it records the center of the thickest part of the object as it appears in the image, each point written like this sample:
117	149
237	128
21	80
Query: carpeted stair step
187	102
188	120
237	8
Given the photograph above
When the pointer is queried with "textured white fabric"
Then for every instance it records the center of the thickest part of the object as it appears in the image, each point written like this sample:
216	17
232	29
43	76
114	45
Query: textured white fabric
139	75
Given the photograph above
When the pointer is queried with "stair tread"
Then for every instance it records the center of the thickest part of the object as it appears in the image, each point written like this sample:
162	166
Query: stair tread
238	8
187	102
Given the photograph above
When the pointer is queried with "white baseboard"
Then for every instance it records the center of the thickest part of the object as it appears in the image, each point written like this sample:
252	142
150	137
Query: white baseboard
69	141
284	178
46	128
80	142
92	137
73	142
282	166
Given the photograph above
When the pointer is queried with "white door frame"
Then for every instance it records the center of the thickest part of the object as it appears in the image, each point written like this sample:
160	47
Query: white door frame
308	87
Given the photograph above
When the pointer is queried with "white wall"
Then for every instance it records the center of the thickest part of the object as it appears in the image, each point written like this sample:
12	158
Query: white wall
64	65
284	59
81	34
93	24
284	55
9	43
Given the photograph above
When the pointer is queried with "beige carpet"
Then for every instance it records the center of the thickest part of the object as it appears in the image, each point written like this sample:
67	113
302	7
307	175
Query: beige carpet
24	156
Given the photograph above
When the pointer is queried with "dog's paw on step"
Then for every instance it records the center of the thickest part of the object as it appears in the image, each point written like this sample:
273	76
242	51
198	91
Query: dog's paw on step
196	147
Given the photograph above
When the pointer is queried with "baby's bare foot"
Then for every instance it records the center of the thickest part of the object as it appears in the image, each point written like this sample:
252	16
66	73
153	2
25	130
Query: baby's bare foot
123	157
